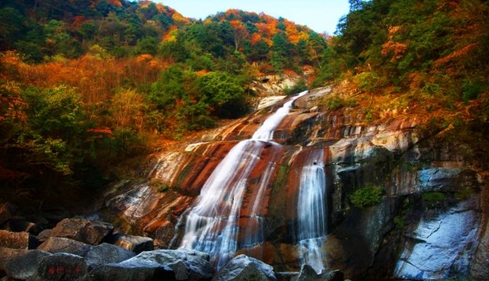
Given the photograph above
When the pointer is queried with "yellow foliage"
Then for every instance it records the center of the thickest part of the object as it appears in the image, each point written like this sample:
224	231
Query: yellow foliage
179	18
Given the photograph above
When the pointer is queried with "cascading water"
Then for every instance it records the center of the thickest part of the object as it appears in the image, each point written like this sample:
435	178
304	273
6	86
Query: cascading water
212	223
311	209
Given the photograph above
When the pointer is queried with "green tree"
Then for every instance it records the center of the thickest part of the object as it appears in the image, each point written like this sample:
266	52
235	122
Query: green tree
147	45
168	88
224	93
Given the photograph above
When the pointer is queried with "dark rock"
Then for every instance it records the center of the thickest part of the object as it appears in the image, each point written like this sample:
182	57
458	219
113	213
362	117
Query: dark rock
479	269
19	224
307	273
136	244
244	268
107	253
187	265
446	179
25	265
17	240
287	276
61	267
6	212
56	215
334	275
64	245
131	270
83	230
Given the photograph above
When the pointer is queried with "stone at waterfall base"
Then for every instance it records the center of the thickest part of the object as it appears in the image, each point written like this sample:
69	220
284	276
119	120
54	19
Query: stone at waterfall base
244	268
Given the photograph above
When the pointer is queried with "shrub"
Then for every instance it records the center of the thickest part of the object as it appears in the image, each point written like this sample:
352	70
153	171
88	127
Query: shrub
434	196
367	196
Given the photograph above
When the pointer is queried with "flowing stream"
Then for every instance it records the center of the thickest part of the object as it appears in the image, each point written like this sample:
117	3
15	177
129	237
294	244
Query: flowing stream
212	223
311	210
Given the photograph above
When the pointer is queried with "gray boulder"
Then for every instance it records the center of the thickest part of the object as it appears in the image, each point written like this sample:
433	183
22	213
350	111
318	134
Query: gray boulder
24	265
244	268
187	265
107	253
64	245
83	230
131	270
61	267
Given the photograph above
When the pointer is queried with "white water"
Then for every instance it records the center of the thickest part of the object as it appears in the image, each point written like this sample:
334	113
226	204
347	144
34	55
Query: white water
311	210
211	224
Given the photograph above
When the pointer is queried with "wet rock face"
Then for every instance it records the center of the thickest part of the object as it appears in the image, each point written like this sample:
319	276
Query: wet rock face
441	246
430	196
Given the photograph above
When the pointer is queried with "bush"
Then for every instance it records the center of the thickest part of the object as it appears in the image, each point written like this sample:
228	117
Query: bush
367	196
434	196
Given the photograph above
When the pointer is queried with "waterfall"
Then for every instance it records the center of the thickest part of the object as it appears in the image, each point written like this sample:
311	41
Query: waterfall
311	210
212	223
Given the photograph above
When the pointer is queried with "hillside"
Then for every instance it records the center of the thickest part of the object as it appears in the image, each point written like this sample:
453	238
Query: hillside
86	86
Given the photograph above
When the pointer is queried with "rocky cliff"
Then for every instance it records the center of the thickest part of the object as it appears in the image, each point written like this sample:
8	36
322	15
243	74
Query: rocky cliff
424	211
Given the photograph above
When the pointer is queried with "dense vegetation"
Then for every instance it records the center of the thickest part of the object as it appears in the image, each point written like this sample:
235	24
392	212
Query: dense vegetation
423	59
86	84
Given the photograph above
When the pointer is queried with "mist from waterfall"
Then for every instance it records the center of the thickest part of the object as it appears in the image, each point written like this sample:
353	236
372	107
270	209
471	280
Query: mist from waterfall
311	210
212	223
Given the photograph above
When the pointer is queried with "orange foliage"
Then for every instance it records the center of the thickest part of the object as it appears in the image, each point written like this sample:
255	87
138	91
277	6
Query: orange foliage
143	3
396	49
290	73
12	106
292	32
95	79
77	21
179	18
161	8
170	35
116	3
99	133
266	29
236	24
232	12
201	72
457	54
255	38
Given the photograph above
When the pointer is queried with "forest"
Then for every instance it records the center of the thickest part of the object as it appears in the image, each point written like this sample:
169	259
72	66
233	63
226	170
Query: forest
86	85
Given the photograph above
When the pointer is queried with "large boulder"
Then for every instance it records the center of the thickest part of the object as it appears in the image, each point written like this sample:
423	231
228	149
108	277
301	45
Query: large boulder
25	265
244	268
130	270
61	267
17	240
107	253
83	230
187	265
133	243
64	245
